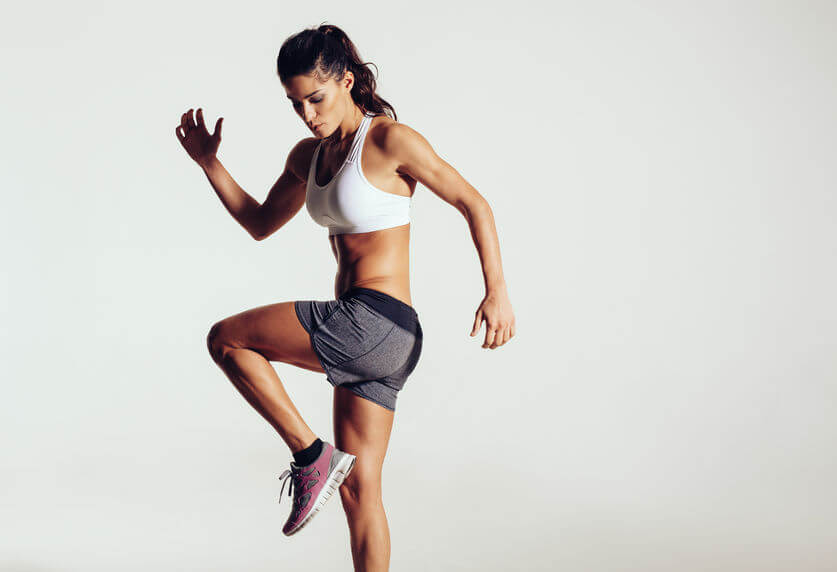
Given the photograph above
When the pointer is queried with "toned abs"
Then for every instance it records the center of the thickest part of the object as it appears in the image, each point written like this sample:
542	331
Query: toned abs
379	259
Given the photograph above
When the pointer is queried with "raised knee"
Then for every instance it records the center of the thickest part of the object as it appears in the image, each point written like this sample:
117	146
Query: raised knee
215	342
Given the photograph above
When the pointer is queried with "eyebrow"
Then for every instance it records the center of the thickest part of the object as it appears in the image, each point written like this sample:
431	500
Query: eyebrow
307	96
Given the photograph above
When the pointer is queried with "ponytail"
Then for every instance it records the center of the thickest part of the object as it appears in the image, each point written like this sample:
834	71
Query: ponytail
329	53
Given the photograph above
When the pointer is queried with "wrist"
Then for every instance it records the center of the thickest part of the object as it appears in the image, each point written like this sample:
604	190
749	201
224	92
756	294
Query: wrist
496	288
209	164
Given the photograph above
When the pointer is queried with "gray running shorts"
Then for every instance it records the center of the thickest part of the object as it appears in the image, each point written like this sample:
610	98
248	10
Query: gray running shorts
366	340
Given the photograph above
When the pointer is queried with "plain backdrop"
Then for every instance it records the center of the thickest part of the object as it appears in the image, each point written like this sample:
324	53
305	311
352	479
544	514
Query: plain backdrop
662	175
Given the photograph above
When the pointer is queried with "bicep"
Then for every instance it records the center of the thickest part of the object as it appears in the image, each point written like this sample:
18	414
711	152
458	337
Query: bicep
417	158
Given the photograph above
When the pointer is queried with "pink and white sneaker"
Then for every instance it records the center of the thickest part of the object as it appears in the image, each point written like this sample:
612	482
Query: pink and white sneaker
314	484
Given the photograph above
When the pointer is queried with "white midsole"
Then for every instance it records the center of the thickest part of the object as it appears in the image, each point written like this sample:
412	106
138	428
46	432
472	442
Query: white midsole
341	471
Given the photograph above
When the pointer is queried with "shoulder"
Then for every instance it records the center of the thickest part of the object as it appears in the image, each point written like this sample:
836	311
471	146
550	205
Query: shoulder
399	140
389	133
299	157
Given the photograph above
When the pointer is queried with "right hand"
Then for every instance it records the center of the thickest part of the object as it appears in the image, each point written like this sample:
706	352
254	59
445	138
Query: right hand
197	141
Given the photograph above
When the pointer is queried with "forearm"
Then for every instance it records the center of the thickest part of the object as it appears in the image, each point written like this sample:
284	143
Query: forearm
484	234
240	205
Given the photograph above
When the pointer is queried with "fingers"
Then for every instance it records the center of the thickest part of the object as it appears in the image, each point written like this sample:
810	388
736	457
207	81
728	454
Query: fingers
498	336
477	320
190	120
182	130
506	335
186	122
490	334
495	335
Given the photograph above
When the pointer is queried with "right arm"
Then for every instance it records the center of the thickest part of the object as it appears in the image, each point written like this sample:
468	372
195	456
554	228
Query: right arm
287	195
240	205
284	200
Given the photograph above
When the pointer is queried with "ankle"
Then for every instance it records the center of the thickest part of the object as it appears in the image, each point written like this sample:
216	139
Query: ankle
309	454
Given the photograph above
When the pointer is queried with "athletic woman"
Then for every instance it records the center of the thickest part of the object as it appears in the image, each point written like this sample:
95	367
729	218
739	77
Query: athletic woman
356	176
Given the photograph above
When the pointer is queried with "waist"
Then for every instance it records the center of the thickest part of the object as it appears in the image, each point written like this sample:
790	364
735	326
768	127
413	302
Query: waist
399	312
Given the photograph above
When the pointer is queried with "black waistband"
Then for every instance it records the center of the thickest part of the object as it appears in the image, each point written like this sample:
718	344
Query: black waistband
402	314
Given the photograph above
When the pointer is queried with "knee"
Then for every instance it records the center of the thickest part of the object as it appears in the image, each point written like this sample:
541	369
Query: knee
360	491
215	342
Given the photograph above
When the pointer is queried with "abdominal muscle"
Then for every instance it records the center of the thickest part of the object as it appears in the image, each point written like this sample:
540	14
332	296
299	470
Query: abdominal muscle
379	260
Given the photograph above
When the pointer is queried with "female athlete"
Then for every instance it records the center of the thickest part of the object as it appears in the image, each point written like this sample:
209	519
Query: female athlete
356	175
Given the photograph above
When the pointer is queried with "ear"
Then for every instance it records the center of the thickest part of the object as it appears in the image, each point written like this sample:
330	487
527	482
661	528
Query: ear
348	80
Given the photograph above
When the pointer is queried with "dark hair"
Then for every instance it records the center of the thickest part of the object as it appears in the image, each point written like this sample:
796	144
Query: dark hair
329	53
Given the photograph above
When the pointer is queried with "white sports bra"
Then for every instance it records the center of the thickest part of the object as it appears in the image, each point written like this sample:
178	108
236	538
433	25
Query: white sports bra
349	203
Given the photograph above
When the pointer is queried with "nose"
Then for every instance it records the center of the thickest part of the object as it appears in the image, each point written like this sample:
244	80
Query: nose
308	113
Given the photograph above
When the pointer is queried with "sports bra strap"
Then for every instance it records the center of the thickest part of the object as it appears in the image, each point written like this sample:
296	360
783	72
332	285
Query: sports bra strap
357	144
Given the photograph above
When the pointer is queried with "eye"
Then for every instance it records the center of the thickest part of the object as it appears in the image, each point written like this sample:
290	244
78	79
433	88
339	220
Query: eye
297	103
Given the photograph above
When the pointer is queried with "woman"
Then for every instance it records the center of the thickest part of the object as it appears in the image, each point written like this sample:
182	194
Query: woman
356	176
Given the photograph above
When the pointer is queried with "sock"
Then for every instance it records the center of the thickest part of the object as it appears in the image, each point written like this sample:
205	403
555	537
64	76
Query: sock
309	454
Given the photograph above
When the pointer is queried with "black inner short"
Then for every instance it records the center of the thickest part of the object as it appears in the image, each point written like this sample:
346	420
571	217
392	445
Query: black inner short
402	314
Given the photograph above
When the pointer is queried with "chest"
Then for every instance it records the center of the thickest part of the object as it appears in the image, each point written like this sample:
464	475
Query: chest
337	171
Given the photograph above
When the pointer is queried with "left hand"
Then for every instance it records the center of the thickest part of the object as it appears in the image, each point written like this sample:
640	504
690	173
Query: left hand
497	312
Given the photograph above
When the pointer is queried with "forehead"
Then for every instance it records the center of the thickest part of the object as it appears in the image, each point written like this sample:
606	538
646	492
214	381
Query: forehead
301	86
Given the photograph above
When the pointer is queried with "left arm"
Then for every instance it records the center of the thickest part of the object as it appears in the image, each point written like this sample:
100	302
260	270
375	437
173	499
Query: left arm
416	158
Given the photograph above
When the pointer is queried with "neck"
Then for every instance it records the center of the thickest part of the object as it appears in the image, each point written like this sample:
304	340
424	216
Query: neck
347	128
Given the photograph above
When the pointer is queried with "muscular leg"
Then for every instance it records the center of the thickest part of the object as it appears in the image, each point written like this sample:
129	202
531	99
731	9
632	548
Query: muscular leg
362	428
243	344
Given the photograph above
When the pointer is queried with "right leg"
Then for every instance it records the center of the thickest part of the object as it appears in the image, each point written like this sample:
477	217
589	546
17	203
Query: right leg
362	428
243	346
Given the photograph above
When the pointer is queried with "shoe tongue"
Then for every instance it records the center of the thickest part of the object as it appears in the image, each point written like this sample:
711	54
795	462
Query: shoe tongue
298	468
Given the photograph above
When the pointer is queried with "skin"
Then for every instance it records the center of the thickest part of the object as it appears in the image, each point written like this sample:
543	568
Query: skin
394	159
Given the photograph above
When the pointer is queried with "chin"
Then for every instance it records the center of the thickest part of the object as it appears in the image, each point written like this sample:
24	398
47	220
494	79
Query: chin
319	134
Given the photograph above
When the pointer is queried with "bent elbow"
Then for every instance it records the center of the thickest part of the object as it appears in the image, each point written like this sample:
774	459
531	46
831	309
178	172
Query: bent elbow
254	226
474	205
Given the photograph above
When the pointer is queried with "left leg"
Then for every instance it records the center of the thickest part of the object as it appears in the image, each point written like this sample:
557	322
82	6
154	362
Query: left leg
362	428
243	345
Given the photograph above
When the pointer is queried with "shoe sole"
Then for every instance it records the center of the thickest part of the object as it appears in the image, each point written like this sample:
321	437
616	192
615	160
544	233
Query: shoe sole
341	471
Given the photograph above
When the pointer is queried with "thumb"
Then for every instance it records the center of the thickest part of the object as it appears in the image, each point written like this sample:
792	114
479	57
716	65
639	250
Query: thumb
477	321
217	133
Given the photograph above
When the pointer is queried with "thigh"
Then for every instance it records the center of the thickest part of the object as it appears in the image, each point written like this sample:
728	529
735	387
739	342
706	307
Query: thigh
361	428
272	330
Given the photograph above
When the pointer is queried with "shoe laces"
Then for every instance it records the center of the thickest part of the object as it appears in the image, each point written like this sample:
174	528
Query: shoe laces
289	476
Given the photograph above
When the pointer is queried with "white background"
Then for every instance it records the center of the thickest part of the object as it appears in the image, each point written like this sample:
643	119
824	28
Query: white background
663	179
